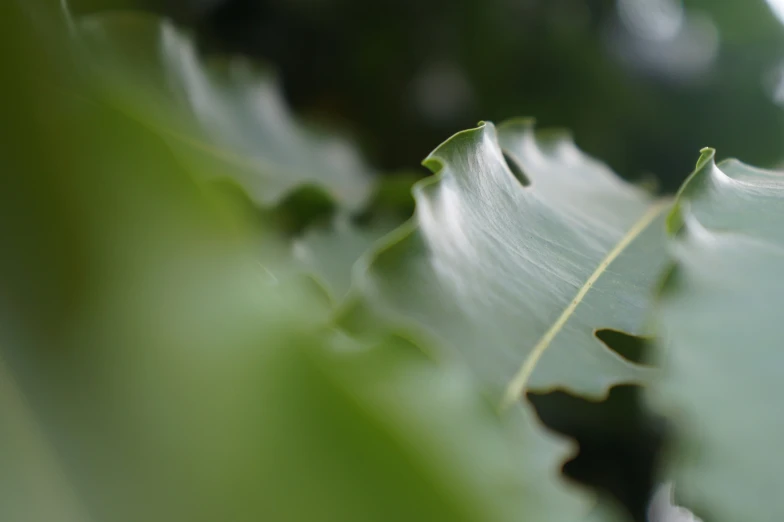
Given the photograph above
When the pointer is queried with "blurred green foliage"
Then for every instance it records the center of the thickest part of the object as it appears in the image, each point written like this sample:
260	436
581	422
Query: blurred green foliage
154	366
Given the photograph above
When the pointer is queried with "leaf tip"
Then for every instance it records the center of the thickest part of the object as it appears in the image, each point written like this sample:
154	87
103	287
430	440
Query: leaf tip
705	162
435	160
707	154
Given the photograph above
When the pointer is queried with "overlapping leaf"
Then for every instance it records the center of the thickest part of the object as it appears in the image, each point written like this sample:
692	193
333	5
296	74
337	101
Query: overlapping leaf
223	117
331	252
188	385
227	118
167	376
505	274
720	323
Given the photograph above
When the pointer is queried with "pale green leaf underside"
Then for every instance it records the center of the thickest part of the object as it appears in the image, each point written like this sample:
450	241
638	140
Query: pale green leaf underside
225	118
515	280
721	332
330	253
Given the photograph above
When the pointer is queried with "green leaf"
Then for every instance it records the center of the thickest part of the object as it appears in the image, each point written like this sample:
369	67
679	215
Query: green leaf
223	117
187	385
331	252
515	280
719	315
30	466
384	434
151	369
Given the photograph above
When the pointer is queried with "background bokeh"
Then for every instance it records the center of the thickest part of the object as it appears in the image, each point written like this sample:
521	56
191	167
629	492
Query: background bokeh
642	84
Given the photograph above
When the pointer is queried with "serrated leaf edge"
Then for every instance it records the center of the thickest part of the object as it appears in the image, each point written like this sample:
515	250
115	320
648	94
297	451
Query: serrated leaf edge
516	387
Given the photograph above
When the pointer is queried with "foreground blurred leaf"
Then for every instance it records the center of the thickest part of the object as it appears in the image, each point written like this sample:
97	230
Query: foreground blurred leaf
506	274
189	386
152	369
225	117
125	295
720	320
386	435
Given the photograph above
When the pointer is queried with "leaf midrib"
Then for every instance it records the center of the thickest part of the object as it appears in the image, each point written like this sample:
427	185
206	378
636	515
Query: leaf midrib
519	382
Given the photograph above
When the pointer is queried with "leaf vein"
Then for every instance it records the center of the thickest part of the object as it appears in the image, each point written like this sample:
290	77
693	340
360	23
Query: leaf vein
519	382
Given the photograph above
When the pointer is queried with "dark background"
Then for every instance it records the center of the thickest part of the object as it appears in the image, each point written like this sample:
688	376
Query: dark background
642	84
637	88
